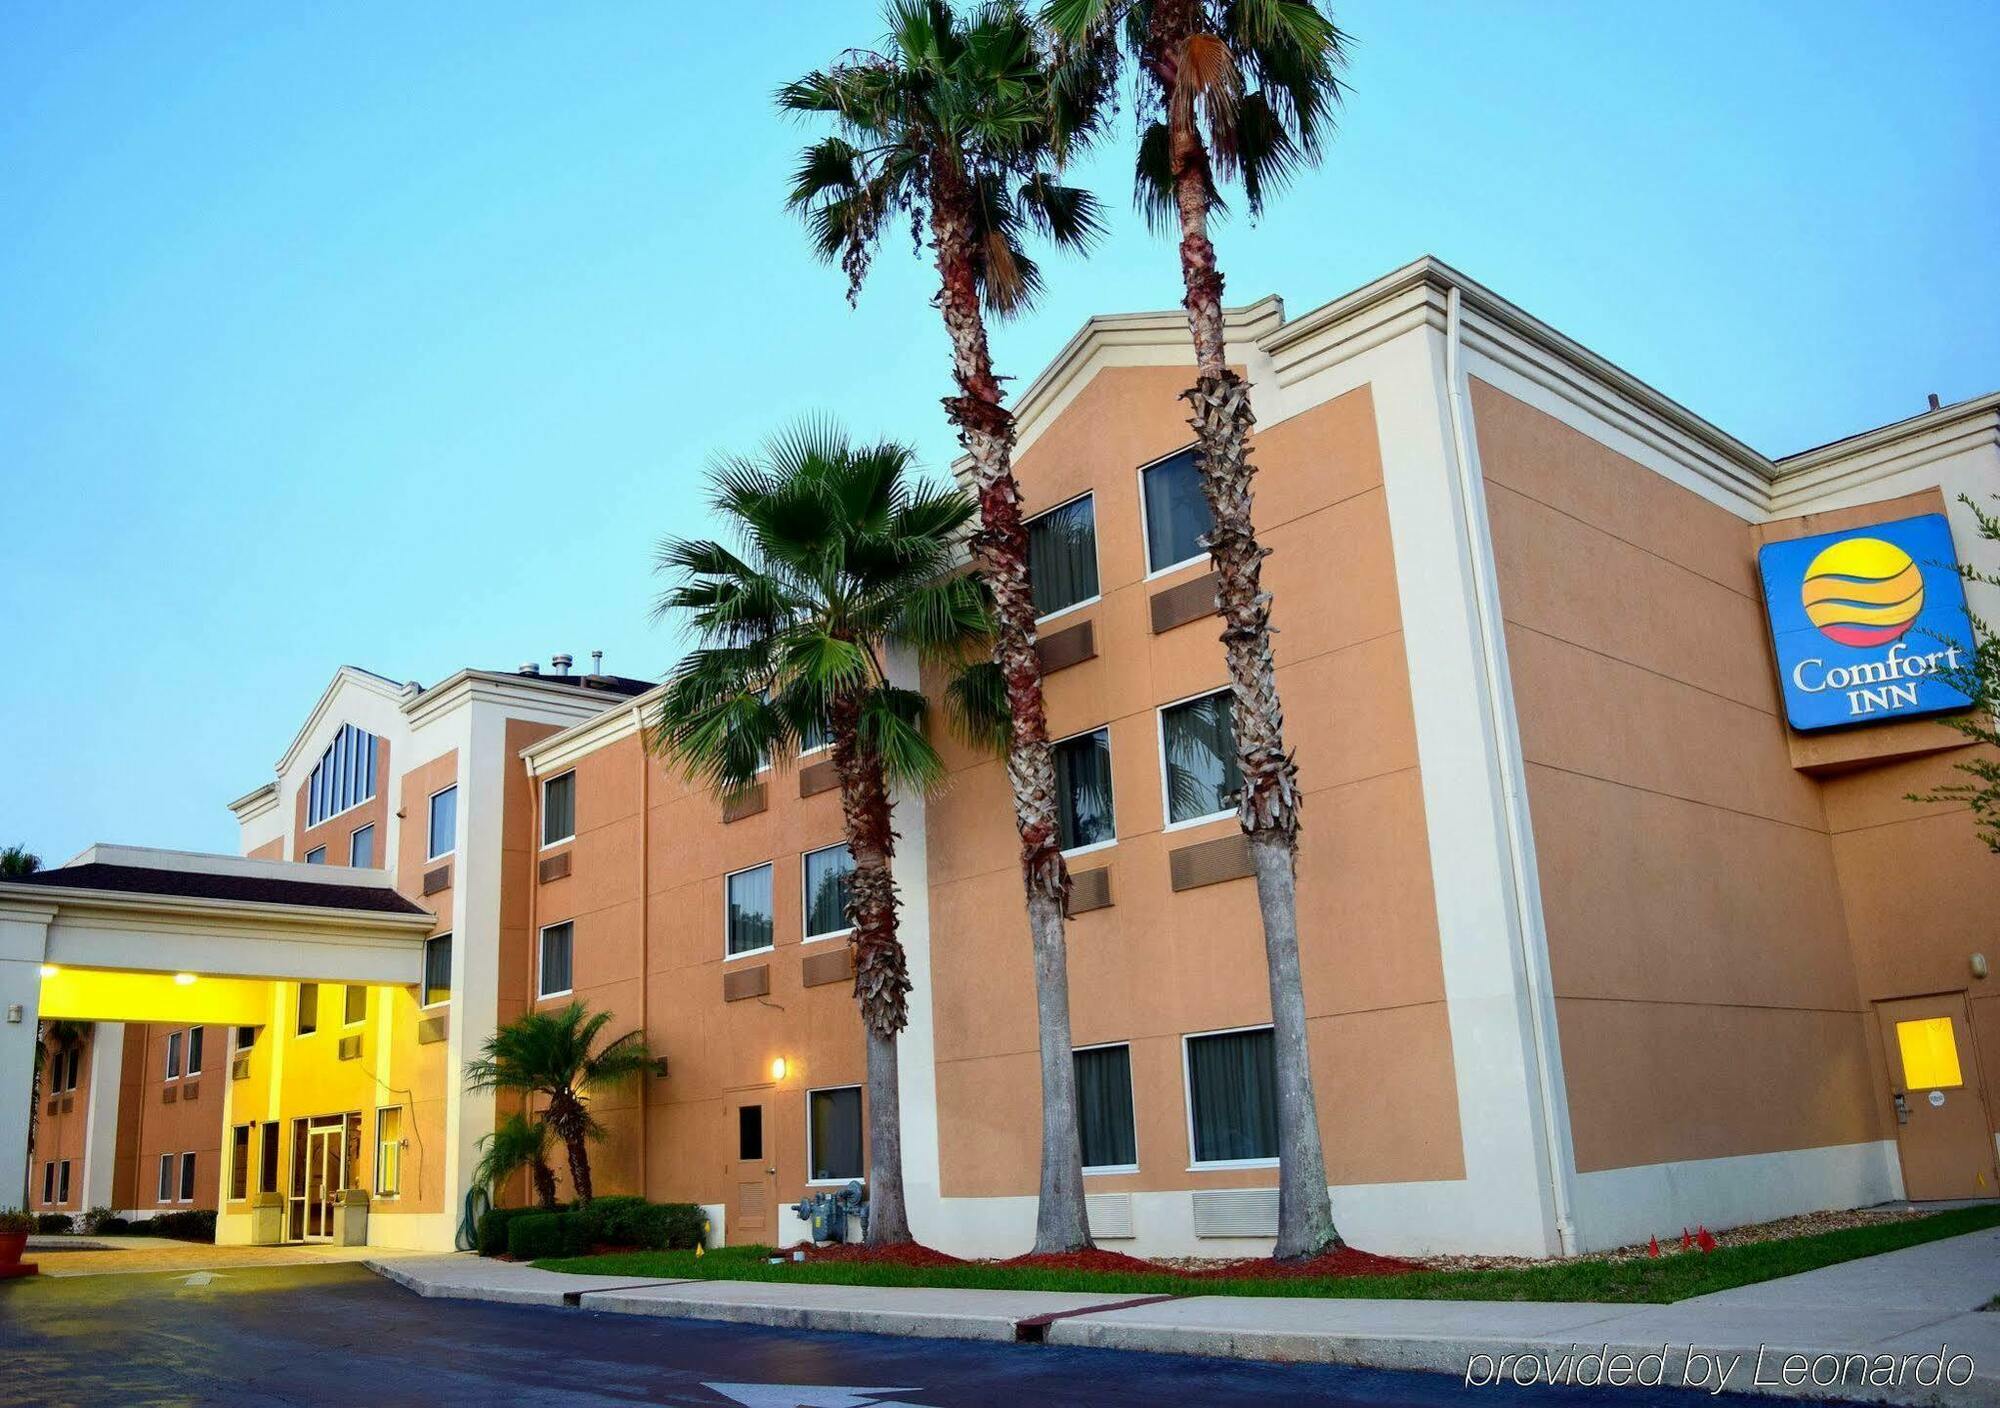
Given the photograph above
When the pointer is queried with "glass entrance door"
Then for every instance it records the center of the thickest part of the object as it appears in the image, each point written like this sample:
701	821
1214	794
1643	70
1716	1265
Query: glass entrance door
319	1170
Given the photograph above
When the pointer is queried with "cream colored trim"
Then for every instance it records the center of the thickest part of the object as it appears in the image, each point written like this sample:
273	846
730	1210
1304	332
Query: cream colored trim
69	901
561	750
347	674
255	803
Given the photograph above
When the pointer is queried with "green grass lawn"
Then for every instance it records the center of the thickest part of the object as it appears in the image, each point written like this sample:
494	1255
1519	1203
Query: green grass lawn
1674	1276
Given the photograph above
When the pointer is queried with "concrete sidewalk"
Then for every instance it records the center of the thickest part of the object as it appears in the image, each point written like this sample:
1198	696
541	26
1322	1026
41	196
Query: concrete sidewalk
1918	1301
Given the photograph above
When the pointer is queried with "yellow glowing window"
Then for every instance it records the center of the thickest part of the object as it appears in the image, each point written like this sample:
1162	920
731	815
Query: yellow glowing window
1930	1054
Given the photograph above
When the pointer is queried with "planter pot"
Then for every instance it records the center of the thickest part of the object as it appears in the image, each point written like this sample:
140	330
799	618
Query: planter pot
12	1244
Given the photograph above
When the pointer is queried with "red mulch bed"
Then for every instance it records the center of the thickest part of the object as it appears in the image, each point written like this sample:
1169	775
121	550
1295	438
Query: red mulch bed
1096	1259
900	1254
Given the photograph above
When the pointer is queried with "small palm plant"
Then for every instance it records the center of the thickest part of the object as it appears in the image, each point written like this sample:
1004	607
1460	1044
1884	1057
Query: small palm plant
960	120
550	1054
516	1143
843	557
16	861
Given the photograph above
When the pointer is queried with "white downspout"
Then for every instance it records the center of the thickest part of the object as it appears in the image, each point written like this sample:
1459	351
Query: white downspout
1558	1162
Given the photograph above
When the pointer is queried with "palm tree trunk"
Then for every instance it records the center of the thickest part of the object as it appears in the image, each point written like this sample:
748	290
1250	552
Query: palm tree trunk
1222	420
544	1179
881	971
566	1117
1000	547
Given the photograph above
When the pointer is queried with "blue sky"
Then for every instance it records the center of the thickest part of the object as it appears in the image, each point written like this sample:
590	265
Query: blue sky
395	335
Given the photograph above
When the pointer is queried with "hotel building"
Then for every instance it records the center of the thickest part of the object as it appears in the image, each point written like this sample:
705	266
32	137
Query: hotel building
1603	933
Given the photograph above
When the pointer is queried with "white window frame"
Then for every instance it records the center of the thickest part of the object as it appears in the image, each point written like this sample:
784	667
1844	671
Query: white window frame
541	953
49	1183
1145	535
430	807
187	1167
298	997
190	1066
173	1065
169	1183
376	1179
1055	743
320	851
1096	552
369	827
62	1182
1166	792
826	747
861	1177
1187	1100
1095	1170
805	900
560	840
772	866
326	785
423	976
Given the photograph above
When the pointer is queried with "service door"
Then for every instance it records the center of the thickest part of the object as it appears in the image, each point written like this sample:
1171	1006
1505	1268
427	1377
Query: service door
752	1175
1942	1126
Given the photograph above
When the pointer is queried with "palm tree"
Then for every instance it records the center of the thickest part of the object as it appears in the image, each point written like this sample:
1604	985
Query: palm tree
961	122
517	1143
549	1054
16	861
842	557
1239	89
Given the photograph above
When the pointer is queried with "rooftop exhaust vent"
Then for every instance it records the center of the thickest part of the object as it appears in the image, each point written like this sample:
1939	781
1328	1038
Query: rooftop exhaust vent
562	664
530	668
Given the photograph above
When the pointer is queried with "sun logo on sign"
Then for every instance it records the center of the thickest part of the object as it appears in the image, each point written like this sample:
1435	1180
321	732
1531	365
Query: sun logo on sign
1862	592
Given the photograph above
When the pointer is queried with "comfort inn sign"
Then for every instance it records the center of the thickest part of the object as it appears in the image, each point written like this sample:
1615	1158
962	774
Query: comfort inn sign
1870	624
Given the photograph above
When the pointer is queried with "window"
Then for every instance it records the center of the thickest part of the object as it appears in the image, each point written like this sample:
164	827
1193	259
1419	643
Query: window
239	1163
48	1184
345	776
75	1059
826	875
816	735
173	1055
1930	1054
749	1132
559	809
1062	556
62	1181
557	943
187	1178
166	1189
437	970
1104	1108
833	1134
444	823
308	1015
1198	758
354	1003
361	847
246	1037
194	1051
1232	1097
1083	790
389	1151
1176	517
267	1160
316	856
750	919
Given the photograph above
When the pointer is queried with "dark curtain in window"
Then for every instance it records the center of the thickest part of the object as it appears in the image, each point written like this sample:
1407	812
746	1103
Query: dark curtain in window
835	1117
750	915
437	969
1083	790
826	890
1062	556
1176	513
1104	1107
194	1052
559	808
556	946
1202	776
1235	1088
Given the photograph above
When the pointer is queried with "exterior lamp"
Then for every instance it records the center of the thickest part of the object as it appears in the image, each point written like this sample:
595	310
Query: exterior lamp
183	979
49	970
778	1068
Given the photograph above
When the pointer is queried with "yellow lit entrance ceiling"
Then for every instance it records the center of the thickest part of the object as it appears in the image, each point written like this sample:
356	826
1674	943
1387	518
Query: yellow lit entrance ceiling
111	995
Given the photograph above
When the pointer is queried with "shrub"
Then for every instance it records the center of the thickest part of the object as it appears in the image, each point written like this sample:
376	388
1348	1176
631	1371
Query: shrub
97	1219
634	1222
192	1225
492	1233
13	1222
54	1224
113	1226
543	1234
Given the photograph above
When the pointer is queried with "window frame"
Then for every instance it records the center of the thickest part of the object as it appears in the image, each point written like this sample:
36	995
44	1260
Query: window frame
355	835
375	1178
173	1065
1096	550
1166	792
1145	533
299	1030
1055	743
62	1181
861	1105
188	1175
322	789
346	992
424	1003
1187	1100
165	1188
239	1163
317	851
430	823
191	1053
48	1183
805	899
542	992
772	866
547	782
1099	1170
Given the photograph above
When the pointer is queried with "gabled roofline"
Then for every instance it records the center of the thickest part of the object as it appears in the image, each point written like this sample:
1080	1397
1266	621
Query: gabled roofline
346	674
255	802
560	750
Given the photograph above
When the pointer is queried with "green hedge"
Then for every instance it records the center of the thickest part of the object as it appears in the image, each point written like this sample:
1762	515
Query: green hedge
527	1233
194	1225
54	1224
493	1228
540	1234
